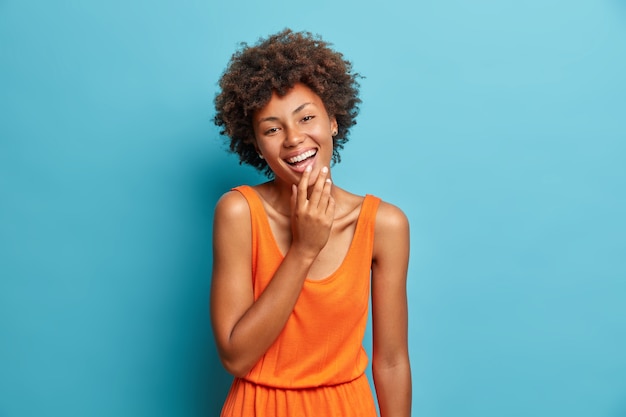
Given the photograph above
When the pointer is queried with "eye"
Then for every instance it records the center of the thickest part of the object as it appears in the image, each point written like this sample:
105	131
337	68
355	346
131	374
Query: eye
271	131
308	118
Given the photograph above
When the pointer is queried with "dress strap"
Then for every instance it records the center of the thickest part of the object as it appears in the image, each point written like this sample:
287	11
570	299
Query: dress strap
258	221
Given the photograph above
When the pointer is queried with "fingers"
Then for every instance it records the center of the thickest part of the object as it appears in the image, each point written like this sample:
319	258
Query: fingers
321	189
330	207
303	186
294	197
320	195
312	217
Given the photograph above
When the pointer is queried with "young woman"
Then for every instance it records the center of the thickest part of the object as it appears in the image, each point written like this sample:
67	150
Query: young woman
293	258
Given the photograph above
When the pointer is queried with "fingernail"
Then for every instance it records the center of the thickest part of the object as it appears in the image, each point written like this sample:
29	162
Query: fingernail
309	168
328	180
325	170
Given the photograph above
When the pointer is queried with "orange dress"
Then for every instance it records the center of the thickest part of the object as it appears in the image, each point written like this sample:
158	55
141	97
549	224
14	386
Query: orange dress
316	365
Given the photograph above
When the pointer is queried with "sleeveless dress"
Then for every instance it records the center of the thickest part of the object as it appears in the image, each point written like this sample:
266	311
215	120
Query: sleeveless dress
316	365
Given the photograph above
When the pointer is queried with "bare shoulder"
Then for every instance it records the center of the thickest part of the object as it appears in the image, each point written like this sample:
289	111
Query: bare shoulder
232	234
391	236
390	219
232	206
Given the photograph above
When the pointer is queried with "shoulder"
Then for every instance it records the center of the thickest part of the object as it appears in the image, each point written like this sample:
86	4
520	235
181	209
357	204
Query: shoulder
391	235
390	219
232	206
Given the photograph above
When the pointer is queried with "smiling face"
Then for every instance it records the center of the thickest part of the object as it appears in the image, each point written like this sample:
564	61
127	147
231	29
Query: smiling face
293	132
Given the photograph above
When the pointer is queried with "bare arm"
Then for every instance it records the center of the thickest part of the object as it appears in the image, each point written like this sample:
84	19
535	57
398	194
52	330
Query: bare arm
390	360
244	328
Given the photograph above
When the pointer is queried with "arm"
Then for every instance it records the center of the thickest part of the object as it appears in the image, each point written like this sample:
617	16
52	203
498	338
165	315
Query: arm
390	359
244	328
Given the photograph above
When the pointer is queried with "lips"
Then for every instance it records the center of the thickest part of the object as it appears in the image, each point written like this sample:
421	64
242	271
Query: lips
300	159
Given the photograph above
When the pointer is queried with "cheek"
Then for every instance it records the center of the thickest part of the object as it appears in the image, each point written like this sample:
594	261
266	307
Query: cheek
268	148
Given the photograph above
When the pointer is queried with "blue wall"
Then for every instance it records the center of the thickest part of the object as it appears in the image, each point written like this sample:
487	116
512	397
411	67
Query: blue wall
498	126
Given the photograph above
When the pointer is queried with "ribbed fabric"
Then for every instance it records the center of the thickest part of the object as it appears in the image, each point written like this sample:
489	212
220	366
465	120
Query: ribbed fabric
316	365
352	399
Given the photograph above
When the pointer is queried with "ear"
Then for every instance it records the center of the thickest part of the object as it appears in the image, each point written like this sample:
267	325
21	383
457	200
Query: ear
334	127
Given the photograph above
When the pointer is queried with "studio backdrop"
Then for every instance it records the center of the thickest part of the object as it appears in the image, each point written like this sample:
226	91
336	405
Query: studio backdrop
499	127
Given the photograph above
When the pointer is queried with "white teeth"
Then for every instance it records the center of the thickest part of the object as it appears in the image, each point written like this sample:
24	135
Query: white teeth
301	157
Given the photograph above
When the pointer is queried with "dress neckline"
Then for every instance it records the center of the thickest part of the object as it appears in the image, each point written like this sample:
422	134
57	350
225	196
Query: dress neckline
332	275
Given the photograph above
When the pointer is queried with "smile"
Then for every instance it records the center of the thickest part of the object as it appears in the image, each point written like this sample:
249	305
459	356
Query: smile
295	160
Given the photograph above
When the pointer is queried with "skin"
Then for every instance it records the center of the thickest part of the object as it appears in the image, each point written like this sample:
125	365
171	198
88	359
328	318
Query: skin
313	222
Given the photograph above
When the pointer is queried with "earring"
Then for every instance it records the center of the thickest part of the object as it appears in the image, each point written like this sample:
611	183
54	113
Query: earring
261	156
335	133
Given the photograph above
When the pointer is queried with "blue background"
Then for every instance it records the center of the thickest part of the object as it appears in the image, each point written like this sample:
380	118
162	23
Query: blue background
498	126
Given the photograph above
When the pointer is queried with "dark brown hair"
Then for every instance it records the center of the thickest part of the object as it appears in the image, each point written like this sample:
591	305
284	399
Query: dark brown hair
277	63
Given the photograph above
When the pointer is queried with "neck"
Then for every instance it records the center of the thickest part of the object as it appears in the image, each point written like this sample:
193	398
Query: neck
278	195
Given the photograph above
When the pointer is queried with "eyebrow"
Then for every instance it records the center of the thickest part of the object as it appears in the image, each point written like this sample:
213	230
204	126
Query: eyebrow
297	110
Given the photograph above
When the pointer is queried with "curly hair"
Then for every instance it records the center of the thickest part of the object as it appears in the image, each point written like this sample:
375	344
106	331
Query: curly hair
276	64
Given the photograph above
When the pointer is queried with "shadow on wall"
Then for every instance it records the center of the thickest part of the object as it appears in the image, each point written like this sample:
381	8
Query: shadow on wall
217	175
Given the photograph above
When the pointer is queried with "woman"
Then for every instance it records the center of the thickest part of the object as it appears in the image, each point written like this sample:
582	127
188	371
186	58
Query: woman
293	256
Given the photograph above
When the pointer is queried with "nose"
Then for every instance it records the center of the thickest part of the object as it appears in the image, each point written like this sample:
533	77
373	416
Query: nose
293	137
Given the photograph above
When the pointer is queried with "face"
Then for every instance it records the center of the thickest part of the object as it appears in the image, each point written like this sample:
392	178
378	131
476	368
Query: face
293	132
